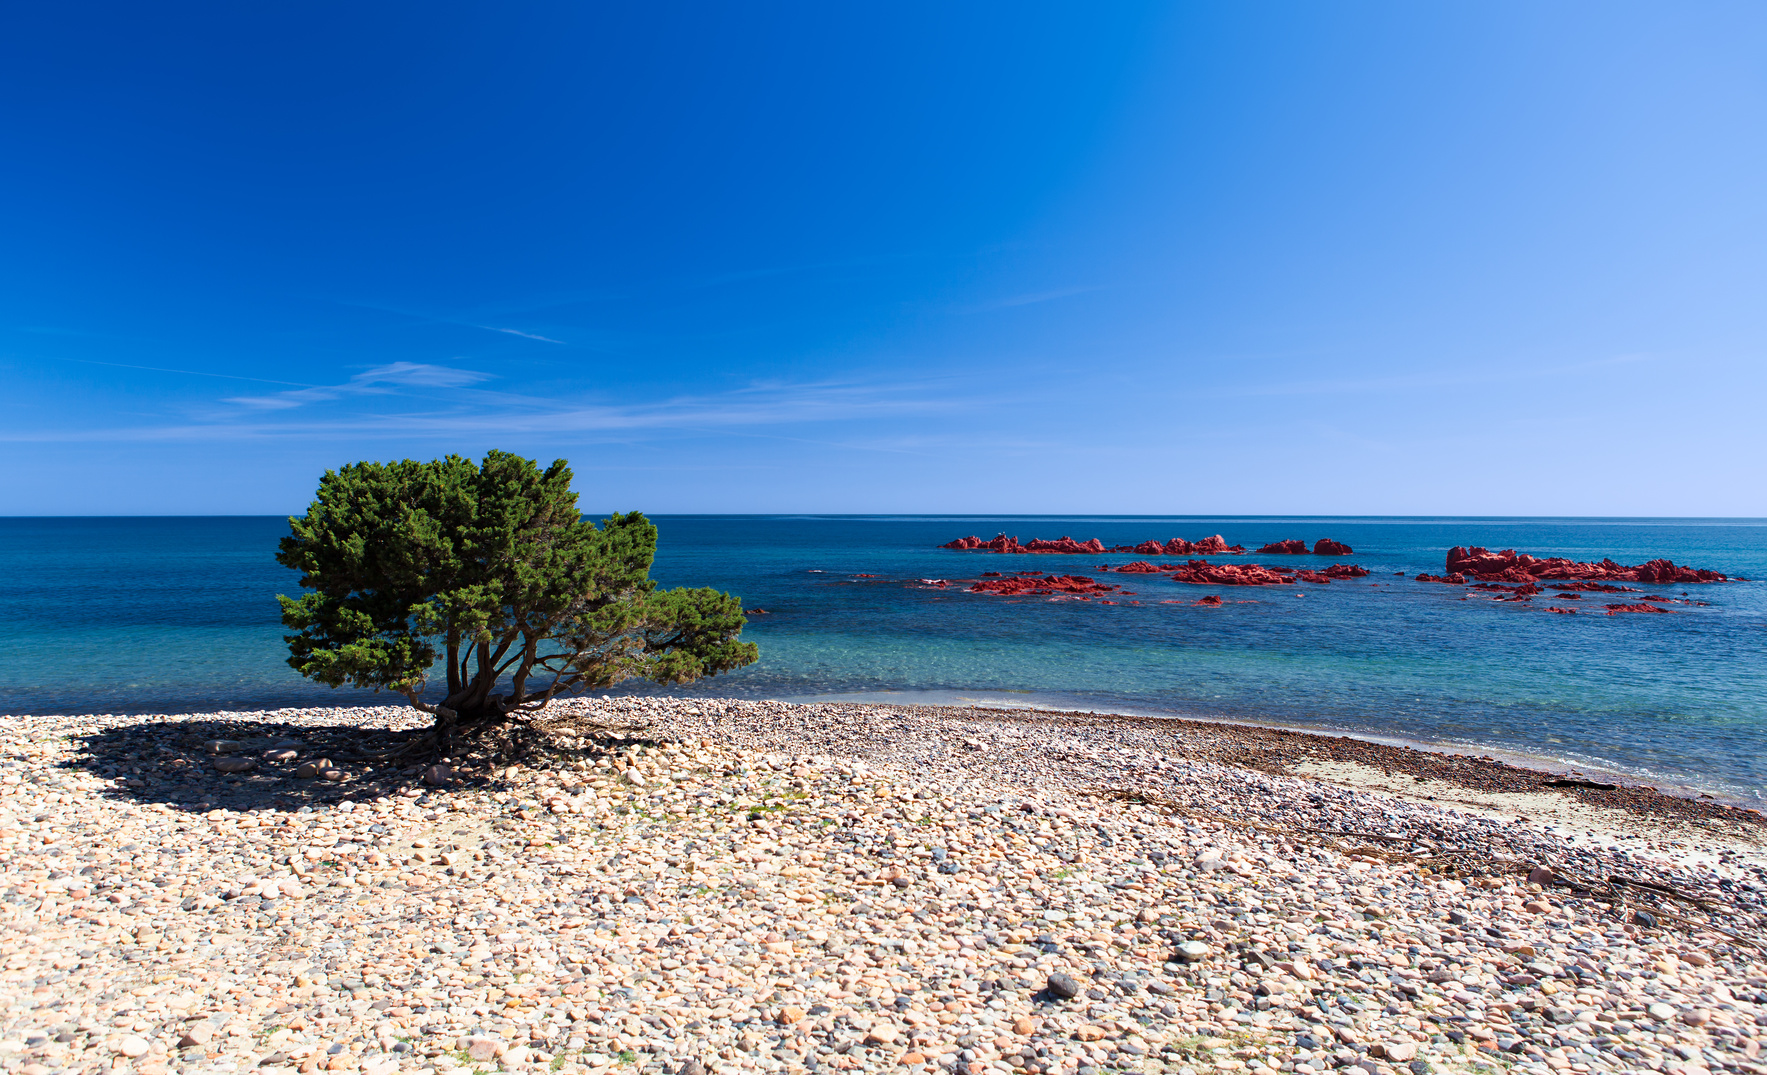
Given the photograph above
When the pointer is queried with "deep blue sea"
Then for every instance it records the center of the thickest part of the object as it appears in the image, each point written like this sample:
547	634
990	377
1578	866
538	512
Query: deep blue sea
179	614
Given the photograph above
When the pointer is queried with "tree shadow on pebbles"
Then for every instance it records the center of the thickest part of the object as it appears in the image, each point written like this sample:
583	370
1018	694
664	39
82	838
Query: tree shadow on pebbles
280	765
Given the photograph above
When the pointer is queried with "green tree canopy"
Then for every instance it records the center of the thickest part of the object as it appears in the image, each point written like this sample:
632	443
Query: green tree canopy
490	568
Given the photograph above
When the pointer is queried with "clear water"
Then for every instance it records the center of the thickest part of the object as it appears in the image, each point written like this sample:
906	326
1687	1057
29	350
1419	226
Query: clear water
170	614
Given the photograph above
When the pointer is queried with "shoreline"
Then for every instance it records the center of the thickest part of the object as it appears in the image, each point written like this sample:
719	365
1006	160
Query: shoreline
672	886
1545	765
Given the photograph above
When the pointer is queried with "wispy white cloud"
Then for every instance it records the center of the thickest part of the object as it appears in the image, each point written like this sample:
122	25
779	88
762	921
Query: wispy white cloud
519	332
435	319
168	369
377	381
793	410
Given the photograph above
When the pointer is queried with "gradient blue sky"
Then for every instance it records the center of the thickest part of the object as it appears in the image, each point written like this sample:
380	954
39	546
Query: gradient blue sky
1176	258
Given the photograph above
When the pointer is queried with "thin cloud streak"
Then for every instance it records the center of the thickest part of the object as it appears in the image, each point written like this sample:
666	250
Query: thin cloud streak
163	369
377	381
519	332
432	319
478	411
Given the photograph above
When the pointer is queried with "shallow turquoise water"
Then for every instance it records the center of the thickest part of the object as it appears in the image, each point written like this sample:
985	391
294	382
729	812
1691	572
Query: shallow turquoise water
170	614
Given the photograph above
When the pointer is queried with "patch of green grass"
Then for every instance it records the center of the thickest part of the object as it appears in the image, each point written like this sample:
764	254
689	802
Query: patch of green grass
627	1056
1191	1045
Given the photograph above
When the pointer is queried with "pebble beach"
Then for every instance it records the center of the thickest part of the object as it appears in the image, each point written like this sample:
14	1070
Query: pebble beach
666	885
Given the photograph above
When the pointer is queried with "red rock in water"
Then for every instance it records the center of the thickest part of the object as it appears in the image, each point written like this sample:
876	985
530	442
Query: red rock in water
1345	571
1526	588
1306	575
1176	547
1455	579
1507	565
1291	547
1078	585
1598	587
1614	610
1203	573
1563	611
1065	544
1211	601
1139	567
1665	571
1328	547
1214	544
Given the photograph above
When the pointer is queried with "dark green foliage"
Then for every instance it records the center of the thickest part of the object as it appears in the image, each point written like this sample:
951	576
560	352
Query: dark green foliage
491	569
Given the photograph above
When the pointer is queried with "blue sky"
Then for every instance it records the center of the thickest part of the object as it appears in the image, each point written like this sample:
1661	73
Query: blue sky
1177	258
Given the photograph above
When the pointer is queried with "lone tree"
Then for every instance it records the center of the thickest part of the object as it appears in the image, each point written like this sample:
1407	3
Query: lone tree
491	568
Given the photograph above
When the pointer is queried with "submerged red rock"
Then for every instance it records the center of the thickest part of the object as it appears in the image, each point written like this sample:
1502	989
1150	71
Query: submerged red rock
1328	547
1211	601
1066	545
1335	571
1139	567
1613	610
1203	573
1020	586
1507	565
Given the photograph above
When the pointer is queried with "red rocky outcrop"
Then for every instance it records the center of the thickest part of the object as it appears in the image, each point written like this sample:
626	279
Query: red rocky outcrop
1203	573
1526	588
1139	567
1297	547
1335	571
1507	565
1214	544
1016	586
1614	610
1065	544
1211	601
1455	579
1291	547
